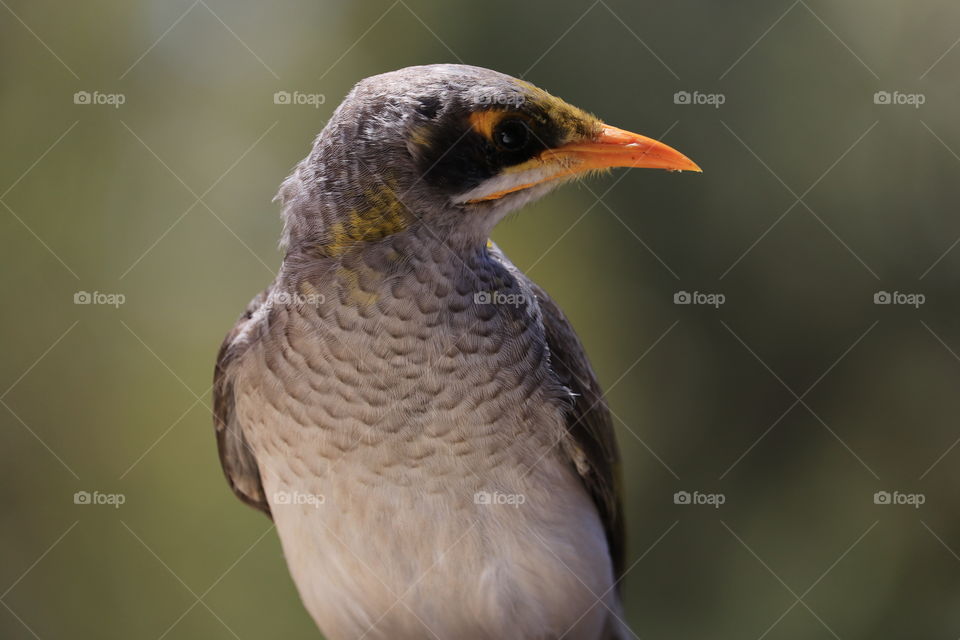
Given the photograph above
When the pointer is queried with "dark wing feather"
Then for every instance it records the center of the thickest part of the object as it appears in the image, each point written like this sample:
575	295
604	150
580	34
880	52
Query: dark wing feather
237	459
591	445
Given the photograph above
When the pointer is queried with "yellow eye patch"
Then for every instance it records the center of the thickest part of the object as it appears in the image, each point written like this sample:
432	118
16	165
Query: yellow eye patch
484	122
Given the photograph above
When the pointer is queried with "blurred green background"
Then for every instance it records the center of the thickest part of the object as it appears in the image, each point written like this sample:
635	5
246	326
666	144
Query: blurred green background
797	399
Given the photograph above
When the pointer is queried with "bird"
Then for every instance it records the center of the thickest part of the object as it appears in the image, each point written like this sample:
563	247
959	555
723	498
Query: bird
419	418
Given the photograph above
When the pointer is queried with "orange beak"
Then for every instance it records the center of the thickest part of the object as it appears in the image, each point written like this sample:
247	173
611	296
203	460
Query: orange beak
618	148
612	148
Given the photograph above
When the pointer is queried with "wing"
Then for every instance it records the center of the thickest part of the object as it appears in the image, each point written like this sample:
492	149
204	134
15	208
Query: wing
236	457
591	444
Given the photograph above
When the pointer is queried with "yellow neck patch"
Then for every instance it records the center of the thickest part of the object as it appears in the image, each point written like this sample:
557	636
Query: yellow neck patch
381	215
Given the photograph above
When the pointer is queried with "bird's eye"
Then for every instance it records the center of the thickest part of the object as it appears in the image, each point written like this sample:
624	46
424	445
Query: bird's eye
512	135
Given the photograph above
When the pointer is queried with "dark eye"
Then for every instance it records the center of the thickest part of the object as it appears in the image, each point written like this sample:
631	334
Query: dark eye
511	135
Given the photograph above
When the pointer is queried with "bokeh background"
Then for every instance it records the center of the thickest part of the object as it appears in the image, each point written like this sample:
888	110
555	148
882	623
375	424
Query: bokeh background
797	400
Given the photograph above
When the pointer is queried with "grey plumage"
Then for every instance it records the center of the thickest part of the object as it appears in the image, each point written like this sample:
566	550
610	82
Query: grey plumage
400	366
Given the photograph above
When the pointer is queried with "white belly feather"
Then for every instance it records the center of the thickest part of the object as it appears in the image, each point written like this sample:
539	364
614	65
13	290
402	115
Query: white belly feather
380	560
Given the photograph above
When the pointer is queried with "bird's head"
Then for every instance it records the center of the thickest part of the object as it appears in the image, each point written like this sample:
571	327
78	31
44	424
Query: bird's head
454	147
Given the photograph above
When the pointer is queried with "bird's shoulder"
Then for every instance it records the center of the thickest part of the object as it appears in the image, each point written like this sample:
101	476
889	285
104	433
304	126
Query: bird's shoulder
590	442
236	457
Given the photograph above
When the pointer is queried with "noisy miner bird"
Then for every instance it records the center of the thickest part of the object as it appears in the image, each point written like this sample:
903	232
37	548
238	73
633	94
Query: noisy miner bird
418	418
